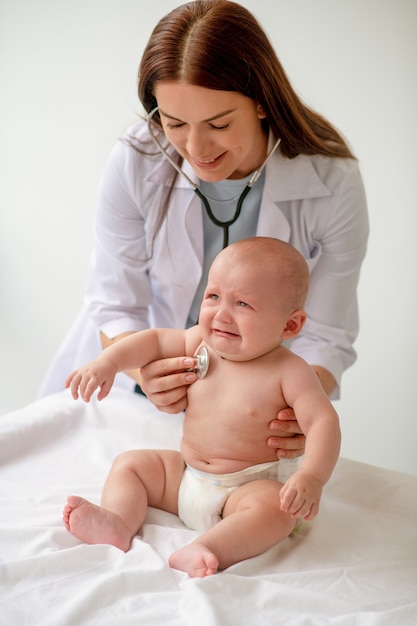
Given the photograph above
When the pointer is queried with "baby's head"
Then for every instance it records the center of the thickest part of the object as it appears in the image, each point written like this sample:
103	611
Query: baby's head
278	267
254	297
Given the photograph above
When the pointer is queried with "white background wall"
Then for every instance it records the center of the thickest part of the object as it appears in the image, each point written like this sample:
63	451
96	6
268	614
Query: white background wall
68	89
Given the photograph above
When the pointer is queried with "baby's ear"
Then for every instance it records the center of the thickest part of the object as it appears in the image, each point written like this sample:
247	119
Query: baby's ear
294	324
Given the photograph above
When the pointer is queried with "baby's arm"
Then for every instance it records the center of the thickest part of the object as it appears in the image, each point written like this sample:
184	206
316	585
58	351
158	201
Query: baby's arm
132	352
300	496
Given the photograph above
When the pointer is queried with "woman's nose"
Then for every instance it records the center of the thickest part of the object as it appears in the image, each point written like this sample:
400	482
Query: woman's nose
197	144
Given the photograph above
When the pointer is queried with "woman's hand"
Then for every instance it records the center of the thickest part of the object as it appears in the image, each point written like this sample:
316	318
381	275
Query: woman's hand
289	441
165	383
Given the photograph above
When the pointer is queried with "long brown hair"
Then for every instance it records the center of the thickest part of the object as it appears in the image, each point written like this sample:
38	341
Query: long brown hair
218	44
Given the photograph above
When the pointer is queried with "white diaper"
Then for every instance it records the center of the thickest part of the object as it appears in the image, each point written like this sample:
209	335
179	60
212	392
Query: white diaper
202	496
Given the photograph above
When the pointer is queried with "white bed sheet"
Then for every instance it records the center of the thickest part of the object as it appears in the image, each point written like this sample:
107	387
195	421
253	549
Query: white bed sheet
355	564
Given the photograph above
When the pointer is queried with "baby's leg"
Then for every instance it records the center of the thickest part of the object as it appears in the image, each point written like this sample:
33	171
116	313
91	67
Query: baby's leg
252	523
137	479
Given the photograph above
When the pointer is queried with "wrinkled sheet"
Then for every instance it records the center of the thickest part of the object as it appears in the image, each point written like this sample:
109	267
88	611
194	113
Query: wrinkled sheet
355	564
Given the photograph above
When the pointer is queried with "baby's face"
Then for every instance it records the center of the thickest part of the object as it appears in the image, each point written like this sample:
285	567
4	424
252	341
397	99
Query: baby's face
241	316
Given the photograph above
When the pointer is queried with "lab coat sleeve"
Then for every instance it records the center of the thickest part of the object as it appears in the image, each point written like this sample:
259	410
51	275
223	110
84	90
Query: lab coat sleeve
340	240
118	291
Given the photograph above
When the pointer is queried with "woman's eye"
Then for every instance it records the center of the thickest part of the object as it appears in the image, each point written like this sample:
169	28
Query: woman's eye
174	126
171	126
224	127
243	304
213	296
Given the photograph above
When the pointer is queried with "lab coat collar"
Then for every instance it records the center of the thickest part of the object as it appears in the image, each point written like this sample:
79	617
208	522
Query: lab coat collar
286	180
293	179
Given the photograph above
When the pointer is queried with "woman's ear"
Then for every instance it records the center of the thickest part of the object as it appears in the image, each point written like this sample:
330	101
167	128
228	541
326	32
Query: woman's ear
260	111
294	324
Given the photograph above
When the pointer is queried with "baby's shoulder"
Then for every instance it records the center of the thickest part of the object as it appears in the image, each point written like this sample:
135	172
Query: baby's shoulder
292	363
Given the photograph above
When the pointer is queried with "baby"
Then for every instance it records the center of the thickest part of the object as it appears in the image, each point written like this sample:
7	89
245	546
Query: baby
225	480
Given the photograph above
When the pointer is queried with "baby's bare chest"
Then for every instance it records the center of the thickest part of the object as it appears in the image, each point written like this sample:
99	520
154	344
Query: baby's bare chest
235	392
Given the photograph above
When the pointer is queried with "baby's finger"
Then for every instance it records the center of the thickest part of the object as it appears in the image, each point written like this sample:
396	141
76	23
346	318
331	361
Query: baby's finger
74	384
295	505
300	510
88	387
69	380
104	389
306	510
313	512
83	381
287	496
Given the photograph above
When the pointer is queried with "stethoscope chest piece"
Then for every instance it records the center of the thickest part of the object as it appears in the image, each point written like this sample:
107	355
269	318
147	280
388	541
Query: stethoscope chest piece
202	366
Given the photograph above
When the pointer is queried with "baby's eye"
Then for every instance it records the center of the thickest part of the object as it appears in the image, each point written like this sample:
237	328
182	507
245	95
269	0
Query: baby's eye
243	304
213	296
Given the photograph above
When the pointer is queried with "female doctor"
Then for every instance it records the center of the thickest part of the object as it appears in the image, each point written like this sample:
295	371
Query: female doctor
228	151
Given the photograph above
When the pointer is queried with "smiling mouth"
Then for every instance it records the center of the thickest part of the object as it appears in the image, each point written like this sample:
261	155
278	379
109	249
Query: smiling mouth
205	162
208	162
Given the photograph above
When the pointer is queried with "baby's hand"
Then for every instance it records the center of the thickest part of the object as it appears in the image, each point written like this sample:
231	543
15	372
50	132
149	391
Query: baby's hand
300	496
89	377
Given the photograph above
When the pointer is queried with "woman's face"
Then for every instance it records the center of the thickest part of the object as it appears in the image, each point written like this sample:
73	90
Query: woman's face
219	133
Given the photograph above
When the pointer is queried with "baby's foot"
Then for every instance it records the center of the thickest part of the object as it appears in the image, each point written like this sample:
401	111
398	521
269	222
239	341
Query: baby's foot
93	524
196	560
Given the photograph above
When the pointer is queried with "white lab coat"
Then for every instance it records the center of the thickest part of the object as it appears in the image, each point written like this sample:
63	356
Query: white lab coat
315	203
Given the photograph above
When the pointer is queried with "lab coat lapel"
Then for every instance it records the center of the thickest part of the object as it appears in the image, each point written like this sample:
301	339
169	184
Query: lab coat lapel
179	250
286	180
184	214
272	222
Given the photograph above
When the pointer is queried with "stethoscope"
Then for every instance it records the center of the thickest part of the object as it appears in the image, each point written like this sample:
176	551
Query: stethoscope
205	200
